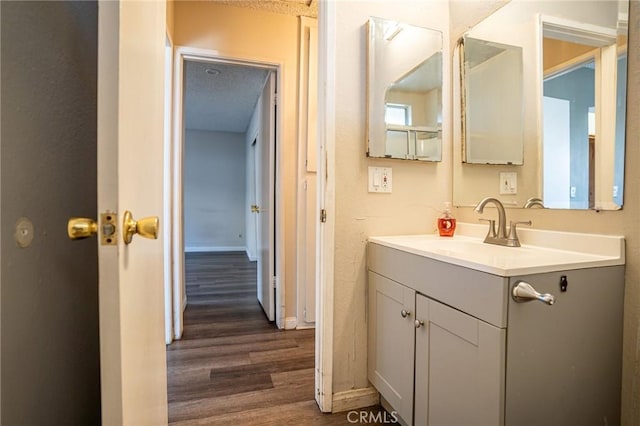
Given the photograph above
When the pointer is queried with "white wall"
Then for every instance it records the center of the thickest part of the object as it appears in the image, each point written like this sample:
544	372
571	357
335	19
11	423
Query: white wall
419	190
214	191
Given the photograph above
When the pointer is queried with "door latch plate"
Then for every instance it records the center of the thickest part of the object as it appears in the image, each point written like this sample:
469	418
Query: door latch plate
109	229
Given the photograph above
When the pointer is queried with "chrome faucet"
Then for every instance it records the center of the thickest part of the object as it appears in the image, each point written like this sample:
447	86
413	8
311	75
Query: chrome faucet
502	219
500	237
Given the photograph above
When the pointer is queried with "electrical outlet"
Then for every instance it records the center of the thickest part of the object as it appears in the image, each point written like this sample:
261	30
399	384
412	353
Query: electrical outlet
615	190
508	183
573	192
380	179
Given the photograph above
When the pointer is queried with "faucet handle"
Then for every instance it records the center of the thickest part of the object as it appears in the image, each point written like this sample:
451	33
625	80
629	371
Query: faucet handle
512	239
492	227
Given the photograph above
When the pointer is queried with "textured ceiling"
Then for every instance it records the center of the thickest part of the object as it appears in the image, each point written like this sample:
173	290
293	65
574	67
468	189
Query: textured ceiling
286	7
222	102
225	102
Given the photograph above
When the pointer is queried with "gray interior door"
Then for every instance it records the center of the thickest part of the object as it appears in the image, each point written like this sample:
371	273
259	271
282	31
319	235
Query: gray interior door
50	365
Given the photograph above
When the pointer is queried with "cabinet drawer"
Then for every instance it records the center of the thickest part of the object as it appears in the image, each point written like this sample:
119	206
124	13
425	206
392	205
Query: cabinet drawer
479	294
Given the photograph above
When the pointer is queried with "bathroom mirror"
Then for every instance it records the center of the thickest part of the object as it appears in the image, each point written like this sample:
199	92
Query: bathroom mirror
404	91
492	71
574	73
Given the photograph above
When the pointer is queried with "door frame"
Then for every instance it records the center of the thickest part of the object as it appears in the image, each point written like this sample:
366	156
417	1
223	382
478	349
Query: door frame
182	54
305	205
325	231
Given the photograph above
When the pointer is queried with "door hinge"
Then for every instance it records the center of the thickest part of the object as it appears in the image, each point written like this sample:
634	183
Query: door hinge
275	99
323	215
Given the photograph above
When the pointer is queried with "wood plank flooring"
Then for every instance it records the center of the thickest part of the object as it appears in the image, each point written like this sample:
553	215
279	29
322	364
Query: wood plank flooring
232	365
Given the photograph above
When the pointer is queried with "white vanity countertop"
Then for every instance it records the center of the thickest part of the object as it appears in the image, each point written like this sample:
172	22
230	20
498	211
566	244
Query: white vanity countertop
541	251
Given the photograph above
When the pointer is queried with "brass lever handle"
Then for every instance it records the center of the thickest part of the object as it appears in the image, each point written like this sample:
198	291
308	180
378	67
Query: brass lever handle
146	227
79	228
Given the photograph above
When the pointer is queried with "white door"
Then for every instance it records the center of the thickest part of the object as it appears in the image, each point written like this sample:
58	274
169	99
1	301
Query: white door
131	43
265	166
556	151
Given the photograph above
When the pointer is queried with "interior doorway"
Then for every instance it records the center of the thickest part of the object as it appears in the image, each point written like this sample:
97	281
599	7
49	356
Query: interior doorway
231	344
232	204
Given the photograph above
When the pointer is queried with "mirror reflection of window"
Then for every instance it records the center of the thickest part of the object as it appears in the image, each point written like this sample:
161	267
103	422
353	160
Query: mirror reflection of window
398	114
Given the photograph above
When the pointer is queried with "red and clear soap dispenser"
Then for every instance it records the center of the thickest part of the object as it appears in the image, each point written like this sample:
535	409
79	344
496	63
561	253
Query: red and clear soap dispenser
446	222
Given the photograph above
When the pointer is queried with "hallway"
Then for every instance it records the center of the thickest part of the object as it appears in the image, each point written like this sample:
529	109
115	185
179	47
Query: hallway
233	366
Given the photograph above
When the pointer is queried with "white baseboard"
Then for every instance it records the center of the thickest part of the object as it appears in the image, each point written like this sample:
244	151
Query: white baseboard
251	257
290	323
305	326
199	249
354	399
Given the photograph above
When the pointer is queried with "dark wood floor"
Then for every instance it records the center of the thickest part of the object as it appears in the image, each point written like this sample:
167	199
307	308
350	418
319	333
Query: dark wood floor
232	366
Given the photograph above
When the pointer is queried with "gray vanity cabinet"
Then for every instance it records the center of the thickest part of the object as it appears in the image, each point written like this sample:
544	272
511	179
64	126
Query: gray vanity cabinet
456	360
448	345
459	367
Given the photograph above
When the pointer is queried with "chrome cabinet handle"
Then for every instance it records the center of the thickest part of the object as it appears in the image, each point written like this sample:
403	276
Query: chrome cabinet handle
405	313
418	323
524	292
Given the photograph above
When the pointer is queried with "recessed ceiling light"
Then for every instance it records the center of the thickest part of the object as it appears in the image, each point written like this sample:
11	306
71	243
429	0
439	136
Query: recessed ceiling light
212	71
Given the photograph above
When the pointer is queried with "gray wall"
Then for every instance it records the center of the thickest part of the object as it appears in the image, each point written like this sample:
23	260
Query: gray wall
49	293
214	190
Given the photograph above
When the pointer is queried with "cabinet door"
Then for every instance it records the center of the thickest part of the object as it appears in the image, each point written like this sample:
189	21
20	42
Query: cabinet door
391	342
460	366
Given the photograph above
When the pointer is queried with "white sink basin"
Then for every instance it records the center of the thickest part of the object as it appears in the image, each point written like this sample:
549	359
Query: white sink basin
552	251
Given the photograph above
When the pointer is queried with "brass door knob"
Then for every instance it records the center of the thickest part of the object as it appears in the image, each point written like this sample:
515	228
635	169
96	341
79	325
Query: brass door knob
255	209
79	228
146	227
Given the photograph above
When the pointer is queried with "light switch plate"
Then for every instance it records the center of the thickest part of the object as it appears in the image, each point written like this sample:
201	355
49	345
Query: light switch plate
380	179
508	183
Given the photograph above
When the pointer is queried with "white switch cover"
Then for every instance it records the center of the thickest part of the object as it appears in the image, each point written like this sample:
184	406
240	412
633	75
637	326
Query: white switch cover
380	179
508	183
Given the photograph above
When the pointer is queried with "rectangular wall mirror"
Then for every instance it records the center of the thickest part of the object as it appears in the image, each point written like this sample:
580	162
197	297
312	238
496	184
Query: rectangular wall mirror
404	91
572	133
492	71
